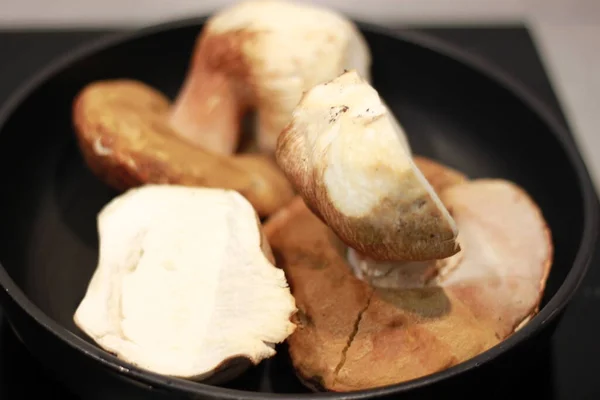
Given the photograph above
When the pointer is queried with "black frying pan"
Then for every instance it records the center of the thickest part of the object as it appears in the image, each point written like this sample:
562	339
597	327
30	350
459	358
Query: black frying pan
454	109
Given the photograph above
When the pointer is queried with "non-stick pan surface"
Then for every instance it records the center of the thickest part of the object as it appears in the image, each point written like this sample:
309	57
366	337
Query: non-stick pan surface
453	109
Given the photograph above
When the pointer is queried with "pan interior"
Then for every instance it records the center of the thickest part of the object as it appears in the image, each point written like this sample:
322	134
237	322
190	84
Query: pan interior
49	205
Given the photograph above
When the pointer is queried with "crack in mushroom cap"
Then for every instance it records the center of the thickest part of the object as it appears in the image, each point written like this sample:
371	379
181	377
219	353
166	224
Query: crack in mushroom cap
352	336
343	153
185	283
263	54
124	135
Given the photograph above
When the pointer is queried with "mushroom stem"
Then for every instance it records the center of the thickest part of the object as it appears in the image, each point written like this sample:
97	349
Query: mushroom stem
207	112
393	274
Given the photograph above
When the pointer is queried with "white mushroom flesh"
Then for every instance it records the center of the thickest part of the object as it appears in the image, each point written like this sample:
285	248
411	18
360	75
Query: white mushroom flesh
182	284
344	141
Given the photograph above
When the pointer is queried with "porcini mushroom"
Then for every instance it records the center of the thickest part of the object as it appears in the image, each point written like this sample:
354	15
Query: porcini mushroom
261	55
400	267
352	335
343	153
185	284
124	134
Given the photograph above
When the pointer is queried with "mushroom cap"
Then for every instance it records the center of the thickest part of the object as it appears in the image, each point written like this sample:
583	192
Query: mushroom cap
185	283
353	336
343	153
507	252
270	52
124	134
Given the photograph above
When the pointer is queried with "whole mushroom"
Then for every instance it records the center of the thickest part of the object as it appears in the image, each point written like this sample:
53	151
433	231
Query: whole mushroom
381	301
185	284
261	55
124	135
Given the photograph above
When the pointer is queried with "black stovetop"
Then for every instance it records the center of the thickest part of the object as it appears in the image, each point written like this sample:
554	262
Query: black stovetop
566	369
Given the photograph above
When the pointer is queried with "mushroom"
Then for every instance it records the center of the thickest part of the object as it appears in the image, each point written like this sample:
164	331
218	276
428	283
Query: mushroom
352	335
261	55
343	153
123	131
185	284
416	273
387	288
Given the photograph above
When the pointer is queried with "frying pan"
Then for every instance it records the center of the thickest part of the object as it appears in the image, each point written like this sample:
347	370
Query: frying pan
454	108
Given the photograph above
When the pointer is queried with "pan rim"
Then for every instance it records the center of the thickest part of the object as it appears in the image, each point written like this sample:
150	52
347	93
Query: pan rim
555	305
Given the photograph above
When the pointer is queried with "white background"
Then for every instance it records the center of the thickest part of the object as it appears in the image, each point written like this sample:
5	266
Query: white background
566	31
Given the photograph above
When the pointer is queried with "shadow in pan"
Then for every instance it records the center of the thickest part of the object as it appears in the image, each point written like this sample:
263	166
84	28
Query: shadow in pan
527	371
20	374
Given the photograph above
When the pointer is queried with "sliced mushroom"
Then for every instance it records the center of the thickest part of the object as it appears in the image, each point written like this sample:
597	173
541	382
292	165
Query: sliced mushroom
353	336
185	284
125	137
261	55
343	153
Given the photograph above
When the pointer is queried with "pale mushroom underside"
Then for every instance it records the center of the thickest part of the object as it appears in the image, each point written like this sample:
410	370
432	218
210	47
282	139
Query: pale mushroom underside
184	282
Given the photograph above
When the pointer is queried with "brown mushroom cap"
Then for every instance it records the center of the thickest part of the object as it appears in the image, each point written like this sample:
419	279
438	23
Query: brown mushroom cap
345	156
352	336
123	131
261	55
